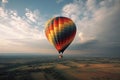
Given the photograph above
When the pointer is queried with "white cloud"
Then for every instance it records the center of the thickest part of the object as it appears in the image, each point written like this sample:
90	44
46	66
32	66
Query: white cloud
32	16
92	17
12	24
91	4
4	1
14	28
72	10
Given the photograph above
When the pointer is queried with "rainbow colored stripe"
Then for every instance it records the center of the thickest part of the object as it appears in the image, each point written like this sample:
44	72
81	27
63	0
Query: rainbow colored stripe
60	31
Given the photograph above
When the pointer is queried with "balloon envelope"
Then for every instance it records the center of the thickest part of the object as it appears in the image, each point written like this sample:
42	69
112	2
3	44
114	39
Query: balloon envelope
60	31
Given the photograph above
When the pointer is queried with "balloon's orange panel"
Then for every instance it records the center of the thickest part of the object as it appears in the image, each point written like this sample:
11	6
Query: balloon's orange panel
60	31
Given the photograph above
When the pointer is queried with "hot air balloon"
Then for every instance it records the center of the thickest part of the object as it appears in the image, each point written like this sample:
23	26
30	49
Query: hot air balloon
60	32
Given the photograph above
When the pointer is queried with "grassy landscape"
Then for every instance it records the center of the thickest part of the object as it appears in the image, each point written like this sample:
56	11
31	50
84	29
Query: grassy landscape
52	68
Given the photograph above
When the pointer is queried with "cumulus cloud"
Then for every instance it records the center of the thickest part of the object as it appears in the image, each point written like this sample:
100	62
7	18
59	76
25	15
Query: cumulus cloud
78	11
71	10
96	20
90	16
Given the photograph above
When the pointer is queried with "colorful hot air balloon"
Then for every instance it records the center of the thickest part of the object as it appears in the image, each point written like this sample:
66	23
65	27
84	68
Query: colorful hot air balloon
60	31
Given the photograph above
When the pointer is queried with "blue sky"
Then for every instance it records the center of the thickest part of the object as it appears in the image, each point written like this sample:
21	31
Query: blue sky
22	24
44	6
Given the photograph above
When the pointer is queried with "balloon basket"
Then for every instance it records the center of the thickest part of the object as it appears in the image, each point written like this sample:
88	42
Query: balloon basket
60	56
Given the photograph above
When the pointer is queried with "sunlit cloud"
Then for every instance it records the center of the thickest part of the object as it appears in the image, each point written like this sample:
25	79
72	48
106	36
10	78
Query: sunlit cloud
14	28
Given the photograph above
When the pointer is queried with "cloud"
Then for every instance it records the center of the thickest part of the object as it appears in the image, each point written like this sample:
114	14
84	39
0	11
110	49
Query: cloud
96	20
78	12
33	16
4	1
92	17
14	26
17	31
59	1
91	5
71	10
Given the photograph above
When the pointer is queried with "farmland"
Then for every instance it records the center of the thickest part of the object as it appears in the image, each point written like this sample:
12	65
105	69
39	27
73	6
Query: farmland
52	68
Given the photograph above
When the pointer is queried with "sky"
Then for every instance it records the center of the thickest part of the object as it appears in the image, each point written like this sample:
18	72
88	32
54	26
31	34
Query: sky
22	25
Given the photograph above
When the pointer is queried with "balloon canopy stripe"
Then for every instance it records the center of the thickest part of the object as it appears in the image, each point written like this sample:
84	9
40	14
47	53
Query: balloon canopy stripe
60	31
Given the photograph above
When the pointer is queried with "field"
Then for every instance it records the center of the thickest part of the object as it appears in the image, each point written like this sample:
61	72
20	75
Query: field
52	68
